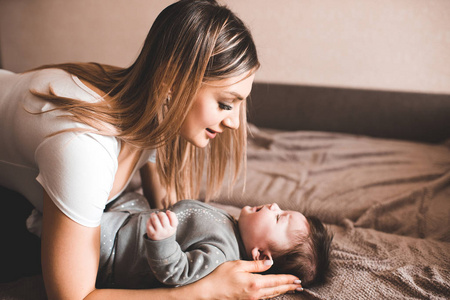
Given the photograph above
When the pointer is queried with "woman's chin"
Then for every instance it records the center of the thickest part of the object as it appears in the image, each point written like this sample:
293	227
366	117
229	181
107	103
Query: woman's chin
199	143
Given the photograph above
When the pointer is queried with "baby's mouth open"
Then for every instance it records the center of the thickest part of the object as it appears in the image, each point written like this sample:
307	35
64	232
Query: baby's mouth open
258	208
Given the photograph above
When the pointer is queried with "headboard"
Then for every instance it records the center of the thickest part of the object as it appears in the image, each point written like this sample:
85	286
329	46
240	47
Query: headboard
397	115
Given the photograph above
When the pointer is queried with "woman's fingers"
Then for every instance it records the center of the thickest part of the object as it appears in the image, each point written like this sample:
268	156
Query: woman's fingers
254	266
236	280
269	286
272	280
258	266
270	292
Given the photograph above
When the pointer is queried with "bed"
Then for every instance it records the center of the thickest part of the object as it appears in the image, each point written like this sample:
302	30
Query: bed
386	201
374	166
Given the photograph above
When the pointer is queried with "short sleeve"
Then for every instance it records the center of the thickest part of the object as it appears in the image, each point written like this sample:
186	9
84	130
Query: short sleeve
152	156
77	171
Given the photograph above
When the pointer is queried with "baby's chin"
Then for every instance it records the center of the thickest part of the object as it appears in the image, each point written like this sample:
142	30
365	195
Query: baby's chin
242	213
245	211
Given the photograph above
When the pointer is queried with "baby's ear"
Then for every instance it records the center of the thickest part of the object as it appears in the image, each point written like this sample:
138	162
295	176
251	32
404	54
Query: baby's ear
267	255
261	255
255	253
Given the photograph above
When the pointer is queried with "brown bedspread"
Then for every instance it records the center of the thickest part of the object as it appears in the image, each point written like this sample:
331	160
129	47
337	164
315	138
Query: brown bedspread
387	201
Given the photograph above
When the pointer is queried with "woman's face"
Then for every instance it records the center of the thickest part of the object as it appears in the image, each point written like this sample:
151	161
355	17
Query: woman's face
215	108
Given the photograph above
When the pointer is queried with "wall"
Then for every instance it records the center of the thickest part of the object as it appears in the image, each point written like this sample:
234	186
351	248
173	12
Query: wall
399	45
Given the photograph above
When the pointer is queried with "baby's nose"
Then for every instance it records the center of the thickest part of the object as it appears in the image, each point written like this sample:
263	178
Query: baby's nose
274	206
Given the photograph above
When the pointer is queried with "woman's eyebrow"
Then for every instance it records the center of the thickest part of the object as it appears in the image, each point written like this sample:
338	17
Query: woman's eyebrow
237	95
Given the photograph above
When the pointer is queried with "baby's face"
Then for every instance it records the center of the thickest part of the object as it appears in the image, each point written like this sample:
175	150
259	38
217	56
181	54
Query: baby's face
266	225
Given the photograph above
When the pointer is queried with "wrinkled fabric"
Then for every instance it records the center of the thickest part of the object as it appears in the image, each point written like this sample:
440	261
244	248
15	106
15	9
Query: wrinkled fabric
387	202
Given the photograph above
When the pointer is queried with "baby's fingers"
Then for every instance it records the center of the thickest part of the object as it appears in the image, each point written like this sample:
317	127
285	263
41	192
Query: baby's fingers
155	221
163	219
172	218
151	227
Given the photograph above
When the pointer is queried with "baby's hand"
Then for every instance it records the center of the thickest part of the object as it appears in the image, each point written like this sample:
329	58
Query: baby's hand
162	225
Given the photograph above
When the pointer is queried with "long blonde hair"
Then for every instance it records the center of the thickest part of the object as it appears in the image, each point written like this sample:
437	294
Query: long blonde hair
190	42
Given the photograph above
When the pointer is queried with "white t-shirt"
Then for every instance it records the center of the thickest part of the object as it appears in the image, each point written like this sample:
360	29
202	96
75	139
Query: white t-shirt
76	169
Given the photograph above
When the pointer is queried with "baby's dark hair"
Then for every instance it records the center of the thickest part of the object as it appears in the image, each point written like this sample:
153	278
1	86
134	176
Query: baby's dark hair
309	259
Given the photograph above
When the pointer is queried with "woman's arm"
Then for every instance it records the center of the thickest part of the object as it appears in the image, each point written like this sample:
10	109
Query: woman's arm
153	190
70	257
70	254
231	280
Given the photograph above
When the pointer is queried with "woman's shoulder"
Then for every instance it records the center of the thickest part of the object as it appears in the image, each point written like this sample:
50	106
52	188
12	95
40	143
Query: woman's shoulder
39	80
60	83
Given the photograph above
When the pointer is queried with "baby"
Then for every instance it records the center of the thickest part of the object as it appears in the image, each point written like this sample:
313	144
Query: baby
181	245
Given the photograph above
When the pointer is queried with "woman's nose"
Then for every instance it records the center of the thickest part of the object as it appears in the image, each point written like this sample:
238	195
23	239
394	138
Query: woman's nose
232	121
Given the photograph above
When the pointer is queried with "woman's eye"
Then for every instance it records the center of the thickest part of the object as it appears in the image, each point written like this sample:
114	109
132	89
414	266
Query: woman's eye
225	106
278	218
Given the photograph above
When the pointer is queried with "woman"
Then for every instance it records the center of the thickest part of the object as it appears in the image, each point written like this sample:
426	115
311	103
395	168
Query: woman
76	133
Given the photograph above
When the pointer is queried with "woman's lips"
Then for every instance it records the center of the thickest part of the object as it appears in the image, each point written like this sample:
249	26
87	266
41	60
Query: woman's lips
210	133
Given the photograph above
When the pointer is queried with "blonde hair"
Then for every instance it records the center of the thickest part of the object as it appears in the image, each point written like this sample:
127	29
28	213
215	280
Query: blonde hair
190	43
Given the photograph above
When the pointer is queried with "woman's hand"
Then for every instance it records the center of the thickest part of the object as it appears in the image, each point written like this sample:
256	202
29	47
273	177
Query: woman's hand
235	280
